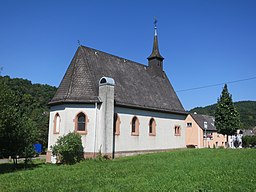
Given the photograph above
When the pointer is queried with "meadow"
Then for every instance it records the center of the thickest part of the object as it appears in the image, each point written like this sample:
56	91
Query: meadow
178	170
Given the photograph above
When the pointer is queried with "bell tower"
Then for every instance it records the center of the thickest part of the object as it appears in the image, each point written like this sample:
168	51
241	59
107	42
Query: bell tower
155	60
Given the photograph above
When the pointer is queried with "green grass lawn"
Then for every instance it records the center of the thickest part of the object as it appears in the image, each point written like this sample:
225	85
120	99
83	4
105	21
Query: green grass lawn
180	170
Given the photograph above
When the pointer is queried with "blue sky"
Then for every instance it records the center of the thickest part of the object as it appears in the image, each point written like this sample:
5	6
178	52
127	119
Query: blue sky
204	42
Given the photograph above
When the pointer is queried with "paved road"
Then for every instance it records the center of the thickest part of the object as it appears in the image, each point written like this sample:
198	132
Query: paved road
21	159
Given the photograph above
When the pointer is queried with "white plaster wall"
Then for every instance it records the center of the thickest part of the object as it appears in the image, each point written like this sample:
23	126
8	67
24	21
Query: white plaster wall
67	114
165	136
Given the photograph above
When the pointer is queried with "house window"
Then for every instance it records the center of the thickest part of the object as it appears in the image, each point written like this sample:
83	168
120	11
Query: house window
189	124
177	130
81	123
152	127
209	135
135	126
56	128
117	124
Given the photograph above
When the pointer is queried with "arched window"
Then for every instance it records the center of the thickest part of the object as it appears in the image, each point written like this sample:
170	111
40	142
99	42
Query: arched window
152	127
56	122
81	123
117	123
177	130
135	126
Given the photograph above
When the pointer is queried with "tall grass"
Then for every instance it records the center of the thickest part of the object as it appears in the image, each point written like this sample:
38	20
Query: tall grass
181	170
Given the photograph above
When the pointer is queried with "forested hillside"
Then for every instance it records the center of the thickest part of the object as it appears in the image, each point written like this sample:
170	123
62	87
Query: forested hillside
246	109
31	101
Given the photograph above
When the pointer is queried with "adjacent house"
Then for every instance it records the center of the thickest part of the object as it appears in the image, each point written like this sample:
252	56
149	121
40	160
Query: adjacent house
201	132
120	107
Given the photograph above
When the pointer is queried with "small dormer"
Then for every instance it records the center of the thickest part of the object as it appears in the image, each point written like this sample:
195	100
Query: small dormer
106	81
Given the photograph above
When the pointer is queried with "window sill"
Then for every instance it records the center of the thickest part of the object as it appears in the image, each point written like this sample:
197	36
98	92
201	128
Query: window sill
135	134
82	132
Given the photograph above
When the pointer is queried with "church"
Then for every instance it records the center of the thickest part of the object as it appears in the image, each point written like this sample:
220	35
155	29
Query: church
119	107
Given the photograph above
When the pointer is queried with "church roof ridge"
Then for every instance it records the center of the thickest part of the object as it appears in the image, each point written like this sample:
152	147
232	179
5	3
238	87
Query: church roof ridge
118	57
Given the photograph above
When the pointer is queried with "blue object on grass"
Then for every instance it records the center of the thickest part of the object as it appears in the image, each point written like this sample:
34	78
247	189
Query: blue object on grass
38	147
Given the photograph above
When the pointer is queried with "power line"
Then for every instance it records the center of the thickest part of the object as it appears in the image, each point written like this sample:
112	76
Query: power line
214	85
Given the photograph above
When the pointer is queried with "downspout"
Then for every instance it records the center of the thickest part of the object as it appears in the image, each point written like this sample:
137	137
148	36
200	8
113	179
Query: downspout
114	135
95	128
199	136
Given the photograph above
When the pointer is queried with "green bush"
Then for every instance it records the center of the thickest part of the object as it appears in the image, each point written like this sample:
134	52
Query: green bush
249	141
68	149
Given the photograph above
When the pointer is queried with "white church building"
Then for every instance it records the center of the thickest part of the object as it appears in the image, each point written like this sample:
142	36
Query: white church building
119	107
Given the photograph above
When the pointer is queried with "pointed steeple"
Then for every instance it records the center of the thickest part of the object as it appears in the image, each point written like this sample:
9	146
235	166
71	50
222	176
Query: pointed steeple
155	60
155	52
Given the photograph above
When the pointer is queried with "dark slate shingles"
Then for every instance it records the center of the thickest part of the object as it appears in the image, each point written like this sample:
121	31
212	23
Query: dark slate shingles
200	119
135	84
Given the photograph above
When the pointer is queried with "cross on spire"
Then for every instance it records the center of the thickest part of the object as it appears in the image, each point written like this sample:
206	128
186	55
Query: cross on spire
155	22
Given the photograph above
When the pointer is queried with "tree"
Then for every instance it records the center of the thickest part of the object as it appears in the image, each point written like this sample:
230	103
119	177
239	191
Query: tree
227	119
17	131
31	101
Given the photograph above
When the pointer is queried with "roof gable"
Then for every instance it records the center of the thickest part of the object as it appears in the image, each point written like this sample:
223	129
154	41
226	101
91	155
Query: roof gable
136	86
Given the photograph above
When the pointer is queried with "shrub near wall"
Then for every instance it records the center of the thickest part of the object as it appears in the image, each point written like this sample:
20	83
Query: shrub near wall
249	141
68	149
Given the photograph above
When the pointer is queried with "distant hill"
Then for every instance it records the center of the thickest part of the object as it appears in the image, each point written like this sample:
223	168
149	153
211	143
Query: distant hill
246	109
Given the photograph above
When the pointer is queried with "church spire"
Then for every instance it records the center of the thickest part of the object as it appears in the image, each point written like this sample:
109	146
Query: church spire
155	60
155	52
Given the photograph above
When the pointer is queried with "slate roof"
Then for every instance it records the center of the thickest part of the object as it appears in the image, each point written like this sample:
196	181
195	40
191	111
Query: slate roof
200	119
136	86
